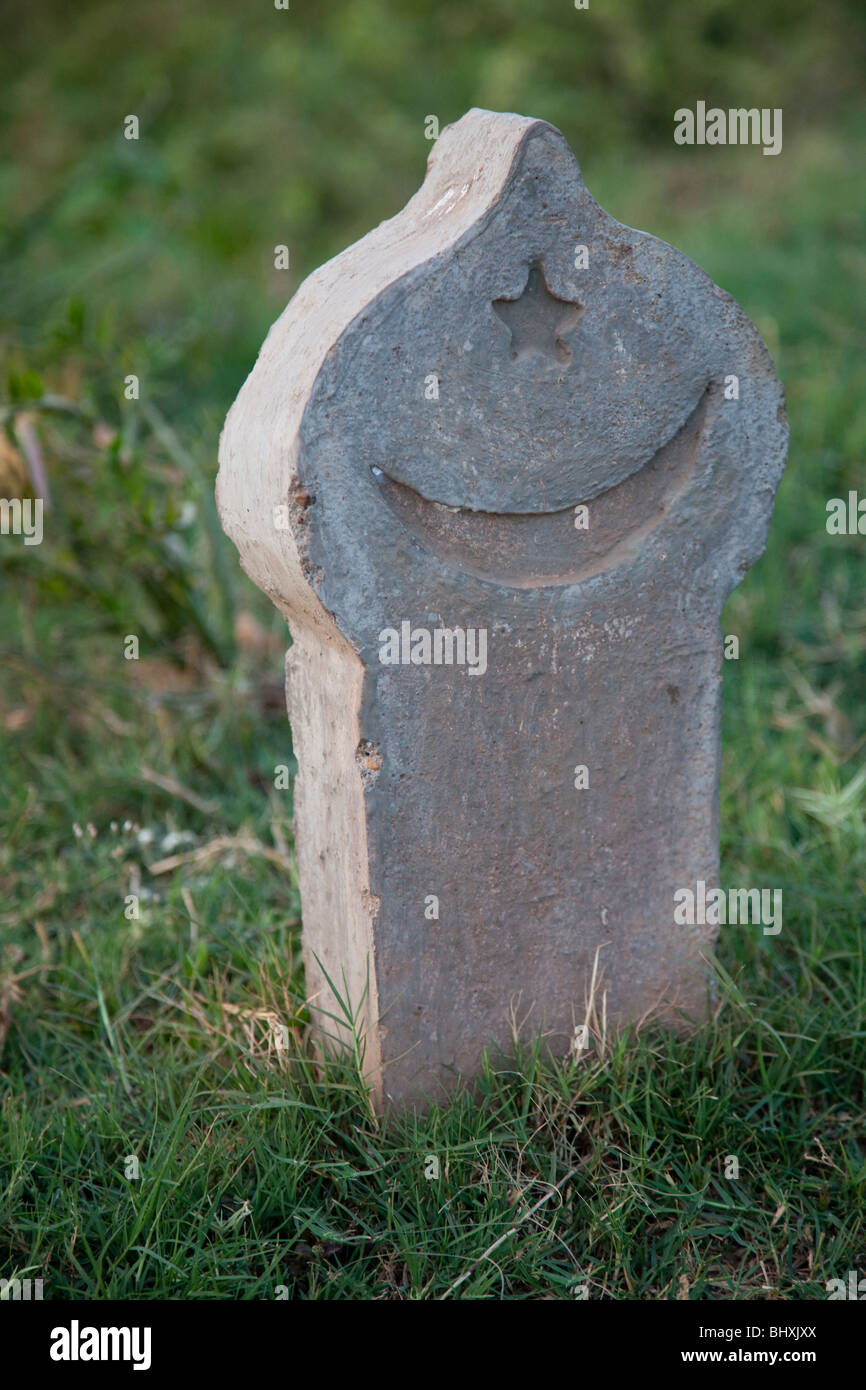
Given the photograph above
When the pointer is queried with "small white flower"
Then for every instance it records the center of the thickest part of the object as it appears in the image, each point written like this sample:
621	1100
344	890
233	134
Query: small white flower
174	839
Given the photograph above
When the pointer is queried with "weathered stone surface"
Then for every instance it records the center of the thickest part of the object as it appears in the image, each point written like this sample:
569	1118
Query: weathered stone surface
361	501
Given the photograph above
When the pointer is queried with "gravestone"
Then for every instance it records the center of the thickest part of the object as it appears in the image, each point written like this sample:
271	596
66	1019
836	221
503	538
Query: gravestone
499	465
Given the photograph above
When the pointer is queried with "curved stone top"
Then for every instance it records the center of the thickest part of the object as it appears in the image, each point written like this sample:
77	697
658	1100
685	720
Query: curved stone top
468	354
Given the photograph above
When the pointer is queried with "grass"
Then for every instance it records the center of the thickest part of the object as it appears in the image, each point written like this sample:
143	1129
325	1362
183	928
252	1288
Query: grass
155	1036
255	1177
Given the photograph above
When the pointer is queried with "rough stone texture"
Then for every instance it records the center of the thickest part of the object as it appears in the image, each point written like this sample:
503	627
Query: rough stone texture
557	386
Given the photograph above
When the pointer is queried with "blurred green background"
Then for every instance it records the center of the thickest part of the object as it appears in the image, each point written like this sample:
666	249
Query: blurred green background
155	257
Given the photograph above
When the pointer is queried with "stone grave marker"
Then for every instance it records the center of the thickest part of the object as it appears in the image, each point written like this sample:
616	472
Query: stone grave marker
499	465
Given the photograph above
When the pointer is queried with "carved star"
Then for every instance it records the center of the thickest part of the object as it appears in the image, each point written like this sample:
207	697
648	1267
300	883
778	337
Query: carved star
539	319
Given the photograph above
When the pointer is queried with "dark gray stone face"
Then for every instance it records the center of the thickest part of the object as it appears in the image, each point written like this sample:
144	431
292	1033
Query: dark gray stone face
500	464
